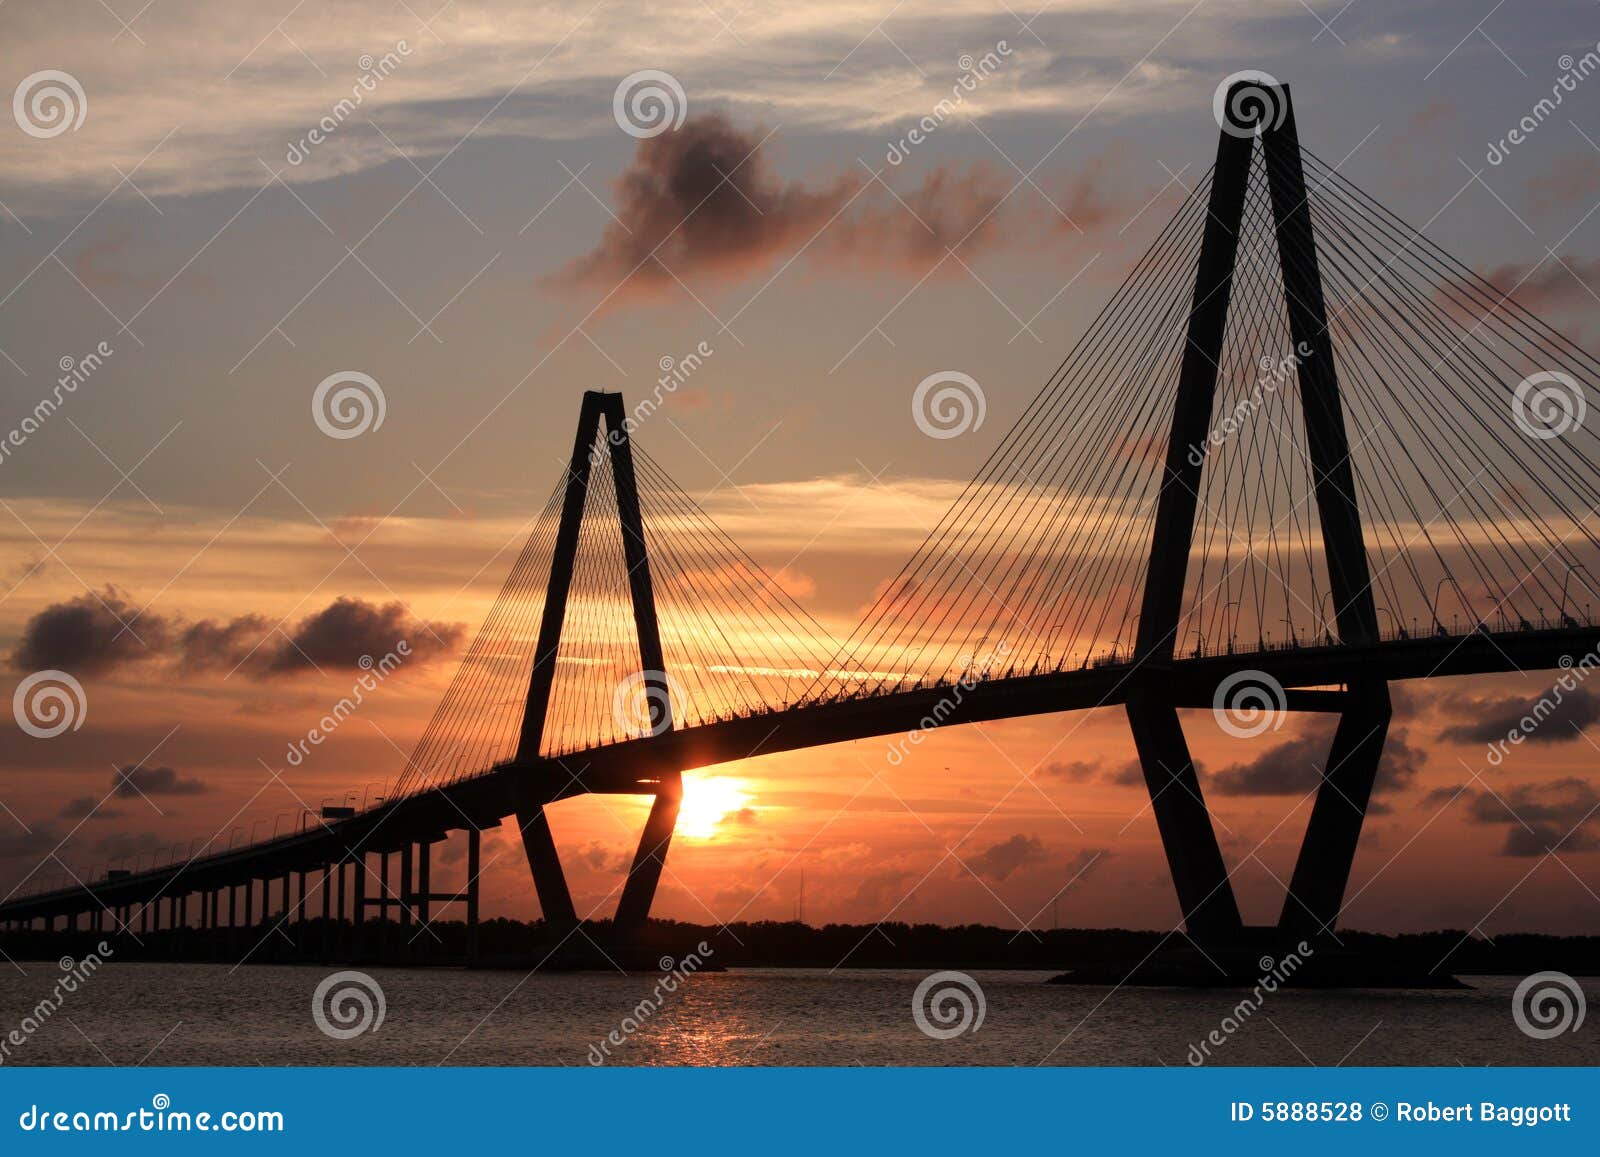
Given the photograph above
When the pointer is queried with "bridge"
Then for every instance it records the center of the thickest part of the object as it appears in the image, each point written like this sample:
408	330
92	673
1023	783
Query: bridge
1301	454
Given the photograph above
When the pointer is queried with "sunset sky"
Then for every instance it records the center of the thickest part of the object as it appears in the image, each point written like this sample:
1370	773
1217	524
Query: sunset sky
473	235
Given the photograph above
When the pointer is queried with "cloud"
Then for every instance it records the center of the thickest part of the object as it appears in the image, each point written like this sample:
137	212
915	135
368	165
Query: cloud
135	780
349	630
1558	815
208	645
241	93
702	200
1000	860
1295	767
89	807
89	635
1574	178
1565	283
1076	771
86	636
1555	722
1444	796
704	203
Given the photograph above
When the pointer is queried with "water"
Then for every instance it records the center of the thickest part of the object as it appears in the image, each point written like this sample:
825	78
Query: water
193	1014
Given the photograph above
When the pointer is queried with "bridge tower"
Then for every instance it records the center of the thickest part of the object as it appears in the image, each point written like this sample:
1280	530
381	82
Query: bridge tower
601	412
1256	112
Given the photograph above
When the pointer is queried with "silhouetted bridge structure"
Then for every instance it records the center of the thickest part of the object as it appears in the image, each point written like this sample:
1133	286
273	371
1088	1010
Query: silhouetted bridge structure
1300	454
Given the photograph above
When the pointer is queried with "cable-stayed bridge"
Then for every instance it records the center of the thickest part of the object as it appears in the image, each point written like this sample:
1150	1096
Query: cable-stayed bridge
1302	453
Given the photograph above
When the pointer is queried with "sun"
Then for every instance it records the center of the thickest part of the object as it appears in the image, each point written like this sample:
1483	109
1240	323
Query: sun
707	802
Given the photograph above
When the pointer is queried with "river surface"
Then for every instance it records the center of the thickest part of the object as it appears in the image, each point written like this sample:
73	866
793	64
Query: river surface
200	1014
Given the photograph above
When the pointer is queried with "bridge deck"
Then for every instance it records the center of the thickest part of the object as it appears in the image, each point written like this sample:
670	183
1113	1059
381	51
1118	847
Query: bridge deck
632	767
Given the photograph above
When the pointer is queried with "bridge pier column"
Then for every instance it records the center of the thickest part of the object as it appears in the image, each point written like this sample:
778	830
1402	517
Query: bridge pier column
424	879
408	893
1328	852
384	894
555	900
474	854
358	913
1205	892
326	948
640	890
